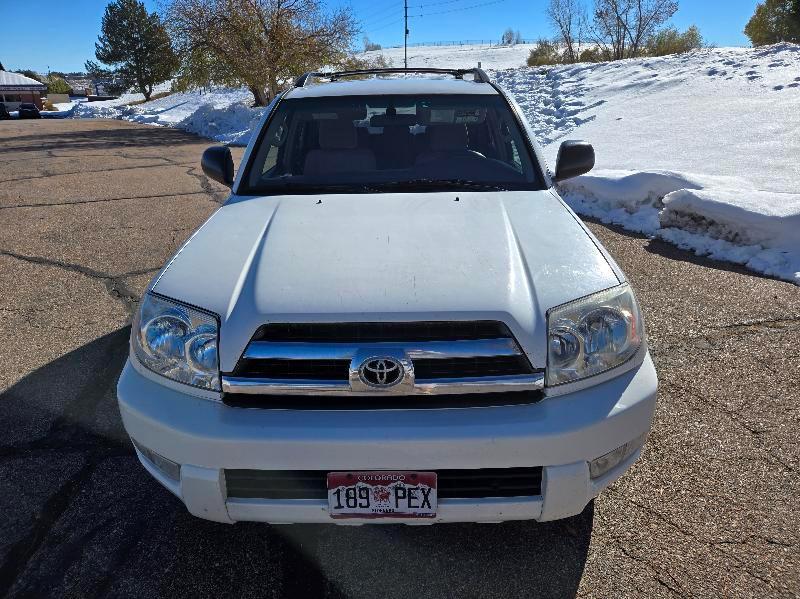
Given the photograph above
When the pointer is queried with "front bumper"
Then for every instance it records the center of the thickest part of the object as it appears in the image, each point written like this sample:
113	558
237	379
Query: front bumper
560	433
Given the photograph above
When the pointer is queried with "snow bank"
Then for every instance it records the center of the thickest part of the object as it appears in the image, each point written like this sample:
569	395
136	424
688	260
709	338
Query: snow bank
758	229
221	114
232	124
629	199
744	217
719	217
699	149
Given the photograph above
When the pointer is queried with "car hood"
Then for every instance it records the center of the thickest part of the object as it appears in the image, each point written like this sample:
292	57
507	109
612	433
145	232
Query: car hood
507	256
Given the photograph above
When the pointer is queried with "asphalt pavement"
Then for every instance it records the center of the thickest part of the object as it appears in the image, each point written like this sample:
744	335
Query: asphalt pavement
90	211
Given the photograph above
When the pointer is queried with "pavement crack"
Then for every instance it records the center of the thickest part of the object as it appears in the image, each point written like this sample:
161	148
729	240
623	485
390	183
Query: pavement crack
115	287
89	272
749	539
217	196
716	545
100	200
760	325
656	574
735	417
49	174
21	552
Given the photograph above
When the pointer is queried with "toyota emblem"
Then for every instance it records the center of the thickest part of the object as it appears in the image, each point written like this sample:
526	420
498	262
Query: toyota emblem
380	372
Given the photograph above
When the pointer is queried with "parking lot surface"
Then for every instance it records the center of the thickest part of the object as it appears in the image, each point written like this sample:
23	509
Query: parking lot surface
89	212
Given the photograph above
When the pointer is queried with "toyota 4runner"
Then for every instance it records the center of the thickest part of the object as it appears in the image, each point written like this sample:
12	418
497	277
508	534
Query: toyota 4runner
394	317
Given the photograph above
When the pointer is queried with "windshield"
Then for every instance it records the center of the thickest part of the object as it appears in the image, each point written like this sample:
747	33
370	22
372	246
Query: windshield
373	143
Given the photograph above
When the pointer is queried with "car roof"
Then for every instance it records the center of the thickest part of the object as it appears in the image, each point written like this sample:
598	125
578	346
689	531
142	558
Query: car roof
392	86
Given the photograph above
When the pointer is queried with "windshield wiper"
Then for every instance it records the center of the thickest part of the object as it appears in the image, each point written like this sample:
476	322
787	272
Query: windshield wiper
284	186
289	188
428	183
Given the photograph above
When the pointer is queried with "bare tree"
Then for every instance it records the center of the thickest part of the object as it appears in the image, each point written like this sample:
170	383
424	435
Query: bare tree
261	43
609	28
621	27
508	37
568	17
648	16
369	46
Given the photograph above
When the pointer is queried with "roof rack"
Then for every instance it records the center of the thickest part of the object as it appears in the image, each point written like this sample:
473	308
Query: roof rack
479	75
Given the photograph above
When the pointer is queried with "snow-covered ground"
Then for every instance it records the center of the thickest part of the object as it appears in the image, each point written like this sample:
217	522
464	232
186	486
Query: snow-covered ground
462	57
698	149
221	114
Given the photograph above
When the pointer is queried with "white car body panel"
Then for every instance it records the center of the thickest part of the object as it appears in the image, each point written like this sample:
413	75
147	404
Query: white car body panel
563	433
506	256
383	257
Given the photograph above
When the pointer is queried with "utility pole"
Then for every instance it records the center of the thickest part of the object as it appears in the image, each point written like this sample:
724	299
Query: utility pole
405	37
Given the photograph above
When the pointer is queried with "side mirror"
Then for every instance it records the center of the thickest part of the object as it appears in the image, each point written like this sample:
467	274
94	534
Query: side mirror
574	158
217	163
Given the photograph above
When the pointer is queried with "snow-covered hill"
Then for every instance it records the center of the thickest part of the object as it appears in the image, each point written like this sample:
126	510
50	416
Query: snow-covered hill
461	57
699	149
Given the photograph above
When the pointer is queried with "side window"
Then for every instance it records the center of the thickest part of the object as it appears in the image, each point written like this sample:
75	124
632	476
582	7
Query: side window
515	159
275	141
271	159
511	150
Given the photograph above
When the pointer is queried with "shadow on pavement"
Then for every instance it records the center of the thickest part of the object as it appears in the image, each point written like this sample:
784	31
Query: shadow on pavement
98	140
672	252
80	517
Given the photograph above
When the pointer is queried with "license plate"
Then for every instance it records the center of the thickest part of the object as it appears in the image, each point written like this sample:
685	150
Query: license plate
382	494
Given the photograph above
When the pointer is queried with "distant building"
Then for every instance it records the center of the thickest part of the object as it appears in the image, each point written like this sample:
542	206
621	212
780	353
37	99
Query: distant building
81	86
16	88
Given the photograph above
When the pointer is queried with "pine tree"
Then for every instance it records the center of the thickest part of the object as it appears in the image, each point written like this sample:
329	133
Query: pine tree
57	85
135	44
774	21
794	17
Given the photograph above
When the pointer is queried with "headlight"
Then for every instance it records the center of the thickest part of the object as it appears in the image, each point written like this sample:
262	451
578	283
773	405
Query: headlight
177	341
593	334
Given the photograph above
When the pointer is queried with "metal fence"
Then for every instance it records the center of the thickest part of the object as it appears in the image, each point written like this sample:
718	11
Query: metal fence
494	42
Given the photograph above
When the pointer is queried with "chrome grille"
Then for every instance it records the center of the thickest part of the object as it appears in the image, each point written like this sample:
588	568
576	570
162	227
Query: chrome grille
437	358
431	330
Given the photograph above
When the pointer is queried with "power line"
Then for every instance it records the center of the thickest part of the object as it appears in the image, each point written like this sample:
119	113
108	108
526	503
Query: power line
386	10
428	4
395	22
459	9
406	17
394	9
381	22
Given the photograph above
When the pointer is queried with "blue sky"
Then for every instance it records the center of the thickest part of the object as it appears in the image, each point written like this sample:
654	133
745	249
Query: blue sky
61	35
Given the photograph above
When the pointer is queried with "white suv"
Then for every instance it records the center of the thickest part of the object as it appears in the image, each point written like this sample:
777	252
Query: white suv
394	318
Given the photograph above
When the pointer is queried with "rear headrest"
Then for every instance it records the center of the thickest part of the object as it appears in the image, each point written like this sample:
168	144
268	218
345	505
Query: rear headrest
393	120
337	134
448	137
